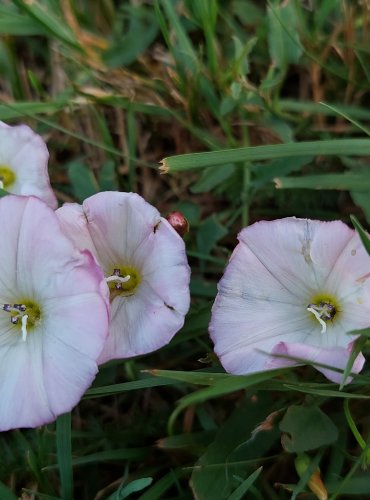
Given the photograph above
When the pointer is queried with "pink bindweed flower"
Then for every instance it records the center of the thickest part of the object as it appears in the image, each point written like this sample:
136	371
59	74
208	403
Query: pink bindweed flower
145	265
293	288
24	163
53	315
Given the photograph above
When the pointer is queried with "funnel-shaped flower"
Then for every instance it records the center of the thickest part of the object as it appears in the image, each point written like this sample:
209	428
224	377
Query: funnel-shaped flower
293	288
24	163
53	315
144	261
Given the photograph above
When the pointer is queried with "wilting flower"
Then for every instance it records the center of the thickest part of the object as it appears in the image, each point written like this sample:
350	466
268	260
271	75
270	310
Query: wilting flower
293	288
24	163
53	315
145	265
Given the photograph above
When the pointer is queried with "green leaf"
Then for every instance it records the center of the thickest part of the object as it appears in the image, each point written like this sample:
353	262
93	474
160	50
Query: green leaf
108	177
209	233
42	14
124	491
337	147
129	46
362	233
6	493
341	182
64	454
109	390
82	179
239	493
214	474
282	166
212	177
306	428
106	456
161	486
284	43
225	385
357	347
13	23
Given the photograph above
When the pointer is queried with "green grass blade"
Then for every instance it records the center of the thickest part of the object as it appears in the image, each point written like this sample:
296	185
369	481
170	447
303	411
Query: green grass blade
64	454
244	487
337	147
362	233
50	21
341	182
109	390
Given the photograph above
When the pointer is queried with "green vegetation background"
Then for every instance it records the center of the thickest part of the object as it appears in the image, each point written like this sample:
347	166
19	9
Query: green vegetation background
116	86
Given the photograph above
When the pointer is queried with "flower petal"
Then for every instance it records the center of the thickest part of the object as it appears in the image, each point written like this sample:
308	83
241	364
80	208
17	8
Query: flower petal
26	154
140	324
46	373
275	272
125	230
335	357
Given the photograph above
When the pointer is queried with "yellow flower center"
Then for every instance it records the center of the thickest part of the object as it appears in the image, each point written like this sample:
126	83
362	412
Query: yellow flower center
25	315
123	281
7	176
324	308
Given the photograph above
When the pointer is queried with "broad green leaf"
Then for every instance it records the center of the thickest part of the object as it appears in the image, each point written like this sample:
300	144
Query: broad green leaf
128	46
352	486
214	474
125	490
6	493
108	177
203	288
82	179
284	43
282	166
209	233
212	177
306	428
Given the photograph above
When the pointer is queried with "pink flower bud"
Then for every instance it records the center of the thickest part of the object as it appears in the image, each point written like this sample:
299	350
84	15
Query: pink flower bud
178	222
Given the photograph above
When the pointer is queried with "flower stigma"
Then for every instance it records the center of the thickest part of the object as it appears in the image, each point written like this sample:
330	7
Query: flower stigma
123	281
25	315
324	309
7	176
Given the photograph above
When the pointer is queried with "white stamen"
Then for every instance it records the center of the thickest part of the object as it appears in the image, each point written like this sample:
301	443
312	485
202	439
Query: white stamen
24	327
317	316
121	279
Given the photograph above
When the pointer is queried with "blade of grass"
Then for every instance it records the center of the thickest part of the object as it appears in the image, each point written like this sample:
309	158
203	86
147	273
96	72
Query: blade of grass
64	454
341	182
244	487
347	117
109	390
337	147
362	233
43	15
